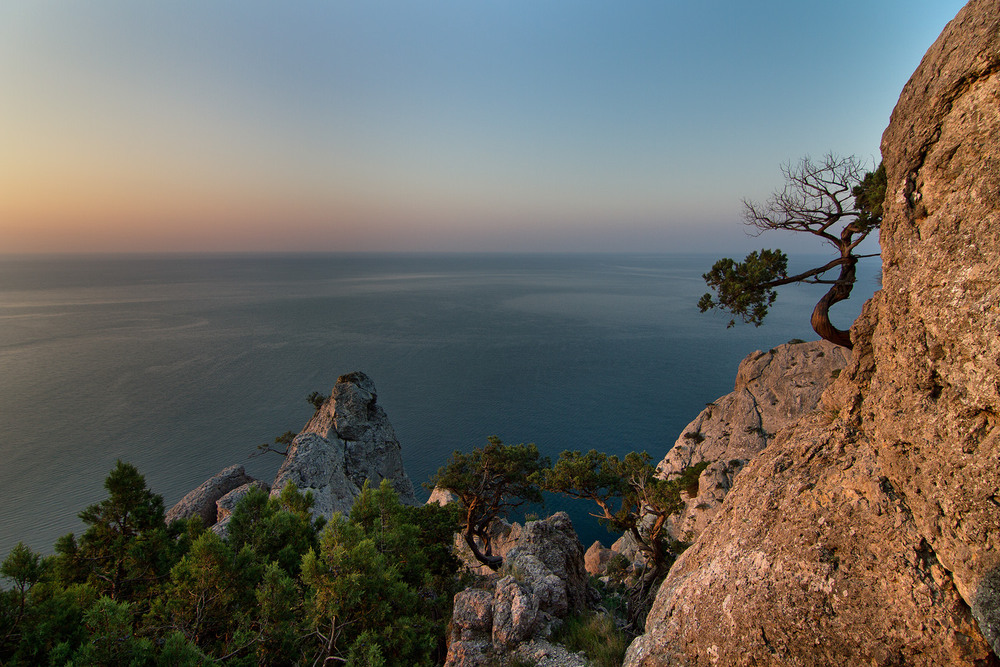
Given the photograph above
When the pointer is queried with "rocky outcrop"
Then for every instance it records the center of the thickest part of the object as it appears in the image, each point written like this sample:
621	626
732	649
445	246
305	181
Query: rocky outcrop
503	537
542	579
867	533
773	389
442	497
202	501
596	558
549	558
348	441
227	503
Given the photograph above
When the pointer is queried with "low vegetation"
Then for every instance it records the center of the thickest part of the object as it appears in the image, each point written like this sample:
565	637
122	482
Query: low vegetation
597	635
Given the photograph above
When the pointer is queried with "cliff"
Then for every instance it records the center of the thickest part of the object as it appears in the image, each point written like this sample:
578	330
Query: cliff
865	533
772	390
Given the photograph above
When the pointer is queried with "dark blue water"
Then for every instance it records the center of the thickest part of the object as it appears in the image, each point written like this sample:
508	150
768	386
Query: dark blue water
183	365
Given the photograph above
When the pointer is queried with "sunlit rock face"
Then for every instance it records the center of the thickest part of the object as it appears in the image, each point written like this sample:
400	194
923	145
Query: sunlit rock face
866	533
773	389
348	440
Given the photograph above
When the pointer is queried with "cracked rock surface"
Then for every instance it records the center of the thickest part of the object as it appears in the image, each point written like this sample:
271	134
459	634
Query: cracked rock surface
773	389
868	533
348	440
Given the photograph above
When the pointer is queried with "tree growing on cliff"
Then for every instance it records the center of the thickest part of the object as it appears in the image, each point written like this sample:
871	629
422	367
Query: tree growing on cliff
833	199
644	501
489	482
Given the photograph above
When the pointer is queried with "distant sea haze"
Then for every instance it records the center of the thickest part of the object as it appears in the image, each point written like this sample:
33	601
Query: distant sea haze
182	365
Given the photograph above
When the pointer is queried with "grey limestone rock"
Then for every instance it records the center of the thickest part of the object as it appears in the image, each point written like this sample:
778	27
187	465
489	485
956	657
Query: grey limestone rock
442	497
201	501
348	441
543	579
226	503
316	464
472	614
551	557
515	609
773	389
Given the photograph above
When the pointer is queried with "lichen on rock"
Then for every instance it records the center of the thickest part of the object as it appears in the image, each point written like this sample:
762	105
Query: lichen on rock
867	533
347	442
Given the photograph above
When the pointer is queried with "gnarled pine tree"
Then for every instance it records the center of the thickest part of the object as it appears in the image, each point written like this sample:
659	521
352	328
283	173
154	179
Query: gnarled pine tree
817	199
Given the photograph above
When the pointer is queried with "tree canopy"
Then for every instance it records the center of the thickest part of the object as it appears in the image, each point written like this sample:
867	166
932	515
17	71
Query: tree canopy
489	482
629	493
834	199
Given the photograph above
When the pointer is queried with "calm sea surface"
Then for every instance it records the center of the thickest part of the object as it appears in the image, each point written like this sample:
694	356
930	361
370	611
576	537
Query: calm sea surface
183	365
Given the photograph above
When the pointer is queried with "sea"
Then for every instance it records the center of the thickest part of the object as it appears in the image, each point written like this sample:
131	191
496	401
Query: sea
183	364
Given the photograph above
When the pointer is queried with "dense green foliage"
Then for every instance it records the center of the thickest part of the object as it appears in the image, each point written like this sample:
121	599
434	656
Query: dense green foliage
316	399
630	495
744	288
372	588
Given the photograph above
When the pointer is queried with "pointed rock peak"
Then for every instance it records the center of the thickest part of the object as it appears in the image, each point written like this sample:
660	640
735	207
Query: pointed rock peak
348	441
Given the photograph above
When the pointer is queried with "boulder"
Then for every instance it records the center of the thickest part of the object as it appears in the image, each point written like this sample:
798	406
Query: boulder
472	614
442	497
866	533
550	556
316	464
595	560
347	442
542	579
468	654
226	503
515	609
202	501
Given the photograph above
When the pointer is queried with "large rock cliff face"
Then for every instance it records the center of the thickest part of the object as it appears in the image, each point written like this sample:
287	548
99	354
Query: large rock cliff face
773	389
867	533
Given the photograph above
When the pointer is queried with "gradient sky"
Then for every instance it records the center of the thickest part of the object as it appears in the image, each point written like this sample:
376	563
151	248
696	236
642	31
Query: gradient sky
497	125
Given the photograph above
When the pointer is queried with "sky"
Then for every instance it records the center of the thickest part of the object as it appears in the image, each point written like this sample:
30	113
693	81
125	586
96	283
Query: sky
431	125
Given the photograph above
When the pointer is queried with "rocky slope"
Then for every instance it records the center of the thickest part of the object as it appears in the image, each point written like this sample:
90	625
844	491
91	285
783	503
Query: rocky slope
542	579
867	533
773	389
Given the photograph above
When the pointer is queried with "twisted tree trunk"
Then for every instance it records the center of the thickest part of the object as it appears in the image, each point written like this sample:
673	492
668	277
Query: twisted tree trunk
840	291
